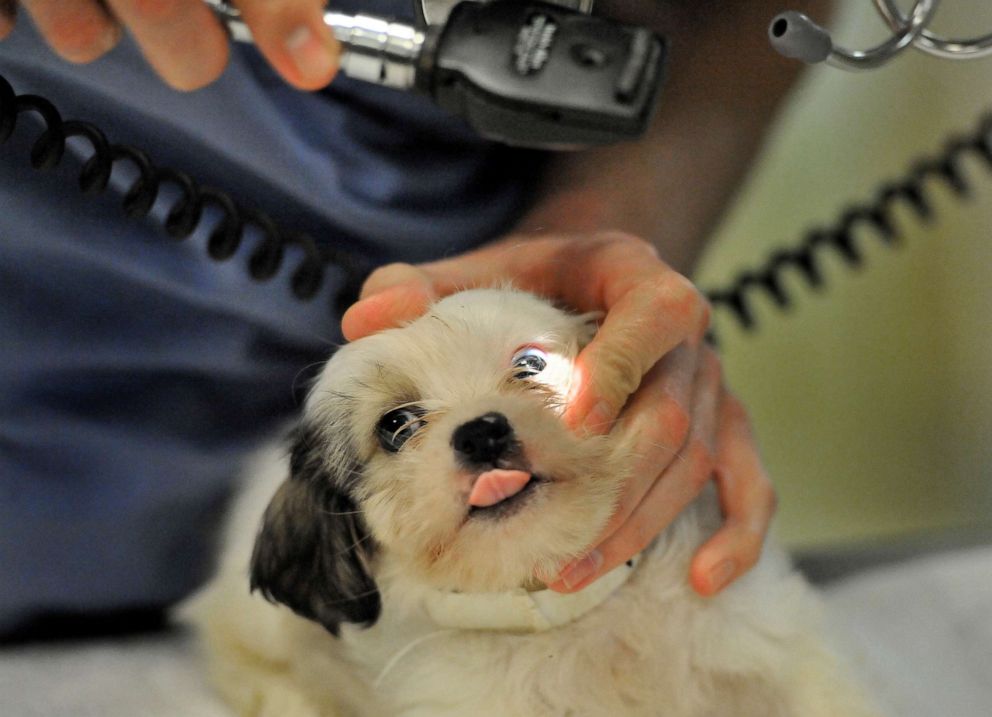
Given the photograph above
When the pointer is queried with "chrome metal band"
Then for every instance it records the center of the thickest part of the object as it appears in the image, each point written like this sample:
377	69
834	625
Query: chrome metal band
373	49
376	50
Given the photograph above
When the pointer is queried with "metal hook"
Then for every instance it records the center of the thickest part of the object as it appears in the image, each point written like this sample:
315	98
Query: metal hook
936	45
795	35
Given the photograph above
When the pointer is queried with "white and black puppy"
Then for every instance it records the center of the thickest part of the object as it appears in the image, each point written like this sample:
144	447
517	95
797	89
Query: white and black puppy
430	480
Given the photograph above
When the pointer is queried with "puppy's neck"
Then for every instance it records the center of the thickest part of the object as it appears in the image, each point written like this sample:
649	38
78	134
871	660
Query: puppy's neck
522	610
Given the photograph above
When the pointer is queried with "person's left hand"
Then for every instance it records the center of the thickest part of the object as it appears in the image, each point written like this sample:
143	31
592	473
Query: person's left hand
648	359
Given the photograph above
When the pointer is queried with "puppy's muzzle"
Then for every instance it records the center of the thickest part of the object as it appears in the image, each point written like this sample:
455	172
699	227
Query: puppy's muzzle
483	440
488	447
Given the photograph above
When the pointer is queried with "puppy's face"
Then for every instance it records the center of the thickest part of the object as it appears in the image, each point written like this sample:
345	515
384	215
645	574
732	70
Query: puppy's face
443	440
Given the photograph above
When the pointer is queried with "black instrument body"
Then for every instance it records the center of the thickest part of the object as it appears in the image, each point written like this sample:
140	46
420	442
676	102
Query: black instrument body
540	75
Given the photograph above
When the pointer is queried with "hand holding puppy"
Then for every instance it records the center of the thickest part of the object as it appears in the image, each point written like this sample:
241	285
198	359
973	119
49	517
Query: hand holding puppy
647	372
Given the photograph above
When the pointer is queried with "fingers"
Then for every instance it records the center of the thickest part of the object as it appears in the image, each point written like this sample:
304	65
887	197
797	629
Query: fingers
392	295
650	310
294	39
397	293
651	502
748	501
632	362
659	420
182	39
77	30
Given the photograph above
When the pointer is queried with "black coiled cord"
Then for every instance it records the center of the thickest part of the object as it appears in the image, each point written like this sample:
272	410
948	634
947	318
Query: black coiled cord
186	212
840	238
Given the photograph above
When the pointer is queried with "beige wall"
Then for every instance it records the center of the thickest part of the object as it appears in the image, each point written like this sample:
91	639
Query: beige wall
872	399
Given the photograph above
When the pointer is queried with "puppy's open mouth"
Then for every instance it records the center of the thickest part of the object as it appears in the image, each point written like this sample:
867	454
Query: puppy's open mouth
500	492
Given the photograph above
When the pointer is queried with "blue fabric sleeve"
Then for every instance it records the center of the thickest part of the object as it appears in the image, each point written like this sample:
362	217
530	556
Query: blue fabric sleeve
135	373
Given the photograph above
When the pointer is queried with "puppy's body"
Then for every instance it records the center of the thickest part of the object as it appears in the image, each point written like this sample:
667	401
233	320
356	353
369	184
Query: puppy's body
419	533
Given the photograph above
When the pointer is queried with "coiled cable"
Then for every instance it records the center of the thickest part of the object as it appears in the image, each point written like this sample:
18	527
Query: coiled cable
186	212
805	259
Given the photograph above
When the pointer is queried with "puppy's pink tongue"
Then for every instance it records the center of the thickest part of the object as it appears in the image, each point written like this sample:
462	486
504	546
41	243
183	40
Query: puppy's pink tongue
493	486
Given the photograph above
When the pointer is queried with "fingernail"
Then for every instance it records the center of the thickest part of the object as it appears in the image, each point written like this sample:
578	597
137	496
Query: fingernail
599	418
581	570
721	575
310	55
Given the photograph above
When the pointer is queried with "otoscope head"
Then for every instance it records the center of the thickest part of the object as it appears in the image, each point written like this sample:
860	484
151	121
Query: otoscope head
795	35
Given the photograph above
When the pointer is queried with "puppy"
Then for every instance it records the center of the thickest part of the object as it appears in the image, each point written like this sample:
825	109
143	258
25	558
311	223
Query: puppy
429	481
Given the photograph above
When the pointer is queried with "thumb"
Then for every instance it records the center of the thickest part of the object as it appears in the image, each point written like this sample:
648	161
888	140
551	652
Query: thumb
392	295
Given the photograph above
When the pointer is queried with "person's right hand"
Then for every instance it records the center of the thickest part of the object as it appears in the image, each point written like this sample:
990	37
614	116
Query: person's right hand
183	40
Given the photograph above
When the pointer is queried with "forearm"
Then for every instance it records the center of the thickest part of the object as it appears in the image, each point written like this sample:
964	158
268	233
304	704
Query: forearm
725	84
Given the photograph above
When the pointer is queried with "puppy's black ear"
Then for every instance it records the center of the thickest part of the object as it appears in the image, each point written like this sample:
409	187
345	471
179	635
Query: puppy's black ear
313	551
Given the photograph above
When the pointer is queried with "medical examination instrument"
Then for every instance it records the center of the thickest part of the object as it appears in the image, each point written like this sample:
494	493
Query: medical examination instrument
795	35
523	37
530	74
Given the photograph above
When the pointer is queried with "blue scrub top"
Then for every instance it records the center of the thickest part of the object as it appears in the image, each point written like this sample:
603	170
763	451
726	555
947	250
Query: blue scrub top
136	374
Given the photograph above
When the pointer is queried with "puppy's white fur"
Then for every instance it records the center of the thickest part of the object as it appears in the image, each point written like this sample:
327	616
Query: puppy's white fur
652	648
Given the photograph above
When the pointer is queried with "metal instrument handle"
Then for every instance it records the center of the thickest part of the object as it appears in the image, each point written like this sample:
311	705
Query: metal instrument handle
372	49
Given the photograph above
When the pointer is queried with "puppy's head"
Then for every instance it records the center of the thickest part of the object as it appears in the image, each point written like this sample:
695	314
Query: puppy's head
440	445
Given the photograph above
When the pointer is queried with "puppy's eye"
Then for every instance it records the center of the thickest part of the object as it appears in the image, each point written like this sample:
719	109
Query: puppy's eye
529	362
397	427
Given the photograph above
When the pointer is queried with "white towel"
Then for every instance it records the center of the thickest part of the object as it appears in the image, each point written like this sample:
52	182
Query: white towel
920	631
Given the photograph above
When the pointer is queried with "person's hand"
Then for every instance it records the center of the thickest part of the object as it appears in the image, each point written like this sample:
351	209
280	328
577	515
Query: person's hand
182	39
647	372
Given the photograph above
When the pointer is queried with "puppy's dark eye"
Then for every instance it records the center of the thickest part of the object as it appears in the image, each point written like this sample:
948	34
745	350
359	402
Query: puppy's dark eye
397	427
529	362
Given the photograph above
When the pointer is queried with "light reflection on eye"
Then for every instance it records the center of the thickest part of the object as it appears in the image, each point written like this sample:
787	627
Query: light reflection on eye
529	362
549	370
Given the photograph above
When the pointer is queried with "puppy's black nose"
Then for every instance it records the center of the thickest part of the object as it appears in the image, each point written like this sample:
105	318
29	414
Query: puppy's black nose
483	439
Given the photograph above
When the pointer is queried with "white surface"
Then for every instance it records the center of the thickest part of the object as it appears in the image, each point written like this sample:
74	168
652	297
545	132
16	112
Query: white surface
128	678
921	632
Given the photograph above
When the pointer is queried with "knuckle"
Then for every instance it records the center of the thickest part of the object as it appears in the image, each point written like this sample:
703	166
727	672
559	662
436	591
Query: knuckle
387	275
685	291
673	294
387	270
155	10
711	370
770	498
736	411
703	320
625	506
671	424
79	41
195	82
633	245
641	536
616	244
630	538
701	463
750	551
621	375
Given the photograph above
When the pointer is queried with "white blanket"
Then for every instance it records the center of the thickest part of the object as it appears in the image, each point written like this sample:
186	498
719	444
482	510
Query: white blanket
921	632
